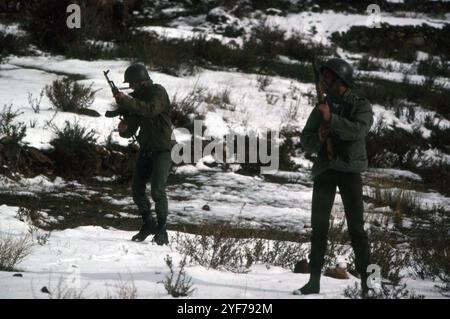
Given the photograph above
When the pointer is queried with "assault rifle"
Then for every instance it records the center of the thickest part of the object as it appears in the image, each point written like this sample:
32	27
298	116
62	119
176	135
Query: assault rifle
321	98
115	90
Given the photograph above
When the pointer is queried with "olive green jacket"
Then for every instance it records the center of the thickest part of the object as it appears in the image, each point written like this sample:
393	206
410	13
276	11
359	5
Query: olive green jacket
351	119
150	108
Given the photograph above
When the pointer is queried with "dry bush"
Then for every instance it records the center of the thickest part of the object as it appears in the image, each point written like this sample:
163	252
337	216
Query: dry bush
178	285
221	250
13	131
68	95
13	250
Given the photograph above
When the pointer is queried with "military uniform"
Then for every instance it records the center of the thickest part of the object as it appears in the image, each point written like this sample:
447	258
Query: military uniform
350	122
149	109
351	119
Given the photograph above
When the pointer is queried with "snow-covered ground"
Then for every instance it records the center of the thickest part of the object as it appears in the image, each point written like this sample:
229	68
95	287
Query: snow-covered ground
96	261
322	25
281	201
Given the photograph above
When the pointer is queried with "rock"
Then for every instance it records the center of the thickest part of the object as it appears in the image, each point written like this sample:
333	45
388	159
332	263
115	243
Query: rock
225	23
418	41
206	207
102	151
337	273
45	290
274	11
315	8
89	112
39	157
218	16
301	267
233	30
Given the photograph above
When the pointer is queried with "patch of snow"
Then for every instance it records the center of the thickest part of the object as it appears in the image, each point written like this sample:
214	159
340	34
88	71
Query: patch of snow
325	23
393	173
13	29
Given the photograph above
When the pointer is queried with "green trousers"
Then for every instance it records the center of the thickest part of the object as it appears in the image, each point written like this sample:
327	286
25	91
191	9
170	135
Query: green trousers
153	168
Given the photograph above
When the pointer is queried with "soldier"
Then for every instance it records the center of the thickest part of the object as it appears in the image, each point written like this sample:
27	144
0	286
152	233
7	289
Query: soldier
148	108
345	119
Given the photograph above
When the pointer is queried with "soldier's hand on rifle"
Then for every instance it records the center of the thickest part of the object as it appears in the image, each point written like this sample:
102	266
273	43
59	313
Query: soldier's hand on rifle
325	110
323	132
119	96
123	127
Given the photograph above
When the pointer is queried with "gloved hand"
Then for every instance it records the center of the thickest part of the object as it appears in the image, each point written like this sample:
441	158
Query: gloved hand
120	96
123	127
325	110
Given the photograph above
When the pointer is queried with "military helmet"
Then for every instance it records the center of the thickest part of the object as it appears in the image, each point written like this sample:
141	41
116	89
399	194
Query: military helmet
341	68
136	73
133	124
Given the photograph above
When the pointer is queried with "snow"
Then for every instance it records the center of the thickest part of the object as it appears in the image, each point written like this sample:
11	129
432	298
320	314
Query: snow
13	29
400	76
102	256
433	156
325	23
394	173
187	33
216	126
390	120
99	259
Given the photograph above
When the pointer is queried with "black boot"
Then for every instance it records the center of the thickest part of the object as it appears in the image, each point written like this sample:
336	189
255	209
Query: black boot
311	287
147	229
161	237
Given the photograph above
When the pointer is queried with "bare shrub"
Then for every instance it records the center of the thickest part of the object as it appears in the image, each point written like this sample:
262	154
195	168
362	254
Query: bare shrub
35	102
430	251
65	288
178	284
13	250
73	138
276	253
220	100
75	149
263	81
68	95
400	200
221	250
185	110
216	251
385	253
124	289
386	292
14	132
